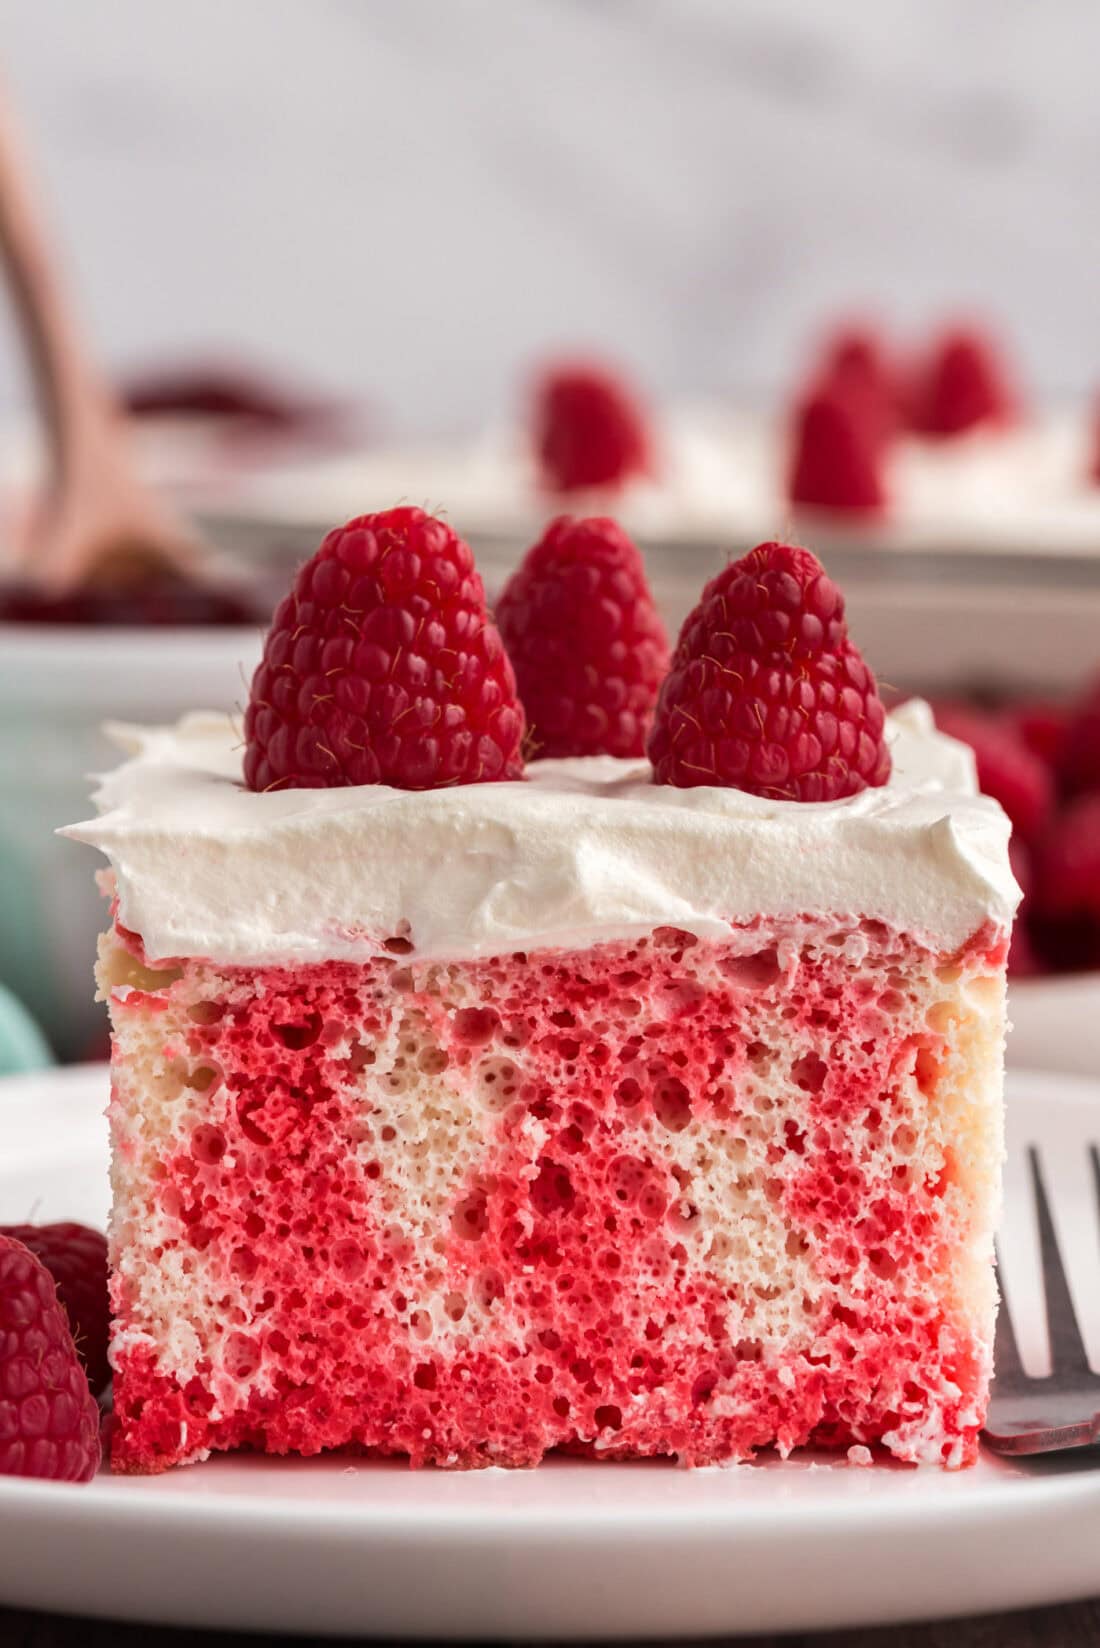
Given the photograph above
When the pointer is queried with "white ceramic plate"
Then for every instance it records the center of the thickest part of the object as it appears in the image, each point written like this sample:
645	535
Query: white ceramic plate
573	1549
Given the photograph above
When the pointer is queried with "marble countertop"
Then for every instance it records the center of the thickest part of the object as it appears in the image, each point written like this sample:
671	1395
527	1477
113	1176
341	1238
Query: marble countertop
411	203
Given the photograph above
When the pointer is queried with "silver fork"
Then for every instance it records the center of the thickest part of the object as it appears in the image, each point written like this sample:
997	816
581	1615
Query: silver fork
1062	1409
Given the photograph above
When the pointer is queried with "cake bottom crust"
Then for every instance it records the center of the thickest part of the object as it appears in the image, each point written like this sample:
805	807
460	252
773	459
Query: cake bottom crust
656	1198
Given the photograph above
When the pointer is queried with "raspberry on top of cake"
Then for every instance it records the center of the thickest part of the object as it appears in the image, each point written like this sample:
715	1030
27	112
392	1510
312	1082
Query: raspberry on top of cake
466	1114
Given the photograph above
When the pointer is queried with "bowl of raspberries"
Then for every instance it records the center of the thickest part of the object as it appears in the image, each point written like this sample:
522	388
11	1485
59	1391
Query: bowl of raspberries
1040	758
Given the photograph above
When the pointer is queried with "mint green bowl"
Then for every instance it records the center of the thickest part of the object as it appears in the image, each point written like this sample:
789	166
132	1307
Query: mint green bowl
22	1044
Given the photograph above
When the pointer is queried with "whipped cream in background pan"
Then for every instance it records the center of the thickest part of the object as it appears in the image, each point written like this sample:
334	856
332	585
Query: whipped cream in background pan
583	851
722	477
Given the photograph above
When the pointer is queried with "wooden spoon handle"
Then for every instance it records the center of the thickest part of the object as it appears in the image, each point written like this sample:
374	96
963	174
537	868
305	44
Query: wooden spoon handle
101	521
72	398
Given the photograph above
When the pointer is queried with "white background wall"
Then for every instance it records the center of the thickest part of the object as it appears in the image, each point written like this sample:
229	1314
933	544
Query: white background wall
408	199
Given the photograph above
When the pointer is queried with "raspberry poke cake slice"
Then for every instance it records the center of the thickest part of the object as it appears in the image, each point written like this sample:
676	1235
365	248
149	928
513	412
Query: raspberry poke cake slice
463	1110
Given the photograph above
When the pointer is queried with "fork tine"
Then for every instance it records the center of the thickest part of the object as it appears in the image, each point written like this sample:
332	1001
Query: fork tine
1067	1349
1008	1370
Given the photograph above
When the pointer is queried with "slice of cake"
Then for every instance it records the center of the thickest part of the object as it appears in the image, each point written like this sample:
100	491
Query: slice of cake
569	1110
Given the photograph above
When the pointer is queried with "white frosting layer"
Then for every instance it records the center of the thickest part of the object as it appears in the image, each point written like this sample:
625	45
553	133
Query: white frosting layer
583	851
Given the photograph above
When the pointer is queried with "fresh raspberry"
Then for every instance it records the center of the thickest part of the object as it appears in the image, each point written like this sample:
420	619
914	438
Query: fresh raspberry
1019	856
589	430
1007	769
1023	962
49	1421
857	364
1079	761
76	1258
1067	865
1066	898
1094	465
1043	725
766	692
585	639
836	454
961	385
857	349
382	666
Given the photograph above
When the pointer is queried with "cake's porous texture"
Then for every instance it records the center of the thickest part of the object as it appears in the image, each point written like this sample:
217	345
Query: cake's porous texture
660	1197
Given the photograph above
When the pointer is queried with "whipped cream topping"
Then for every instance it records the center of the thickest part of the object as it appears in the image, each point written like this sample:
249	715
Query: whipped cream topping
580	852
